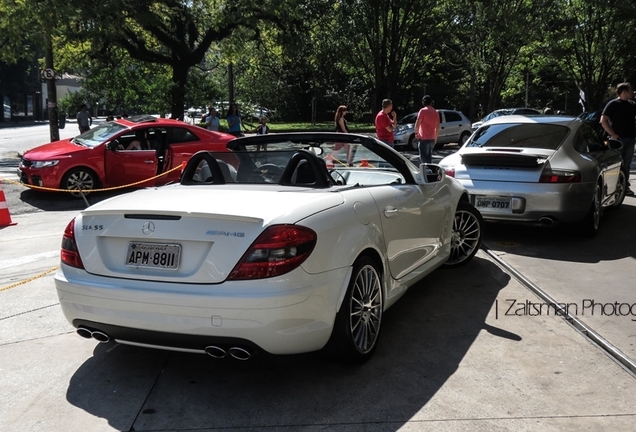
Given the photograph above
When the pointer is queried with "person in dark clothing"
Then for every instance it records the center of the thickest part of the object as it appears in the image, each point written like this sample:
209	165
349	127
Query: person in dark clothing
340	120
619	121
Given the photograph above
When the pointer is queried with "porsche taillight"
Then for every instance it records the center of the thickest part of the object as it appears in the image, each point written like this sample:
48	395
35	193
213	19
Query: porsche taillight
549	176
278	250
70	254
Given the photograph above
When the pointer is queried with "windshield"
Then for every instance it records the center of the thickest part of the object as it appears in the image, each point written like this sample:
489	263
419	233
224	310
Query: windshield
289	163
99	134
523	135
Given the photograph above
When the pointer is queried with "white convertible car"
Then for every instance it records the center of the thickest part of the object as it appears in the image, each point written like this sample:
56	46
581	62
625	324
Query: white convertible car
290	243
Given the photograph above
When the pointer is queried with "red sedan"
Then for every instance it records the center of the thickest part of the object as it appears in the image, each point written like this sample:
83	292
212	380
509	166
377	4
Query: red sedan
100	157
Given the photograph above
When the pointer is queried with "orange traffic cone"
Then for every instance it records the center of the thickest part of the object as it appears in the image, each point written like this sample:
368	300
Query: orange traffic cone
5	217
364	163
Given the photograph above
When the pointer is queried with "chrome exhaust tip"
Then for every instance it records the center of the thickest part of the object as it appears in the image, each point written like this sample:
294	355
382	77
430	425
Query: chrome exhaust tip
240	353
215	351
84	332
547	221
100	336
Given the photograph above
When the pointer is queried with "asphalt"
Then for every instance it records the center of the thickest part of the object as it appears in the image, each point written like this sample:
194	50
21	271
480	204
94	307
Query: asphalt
449	359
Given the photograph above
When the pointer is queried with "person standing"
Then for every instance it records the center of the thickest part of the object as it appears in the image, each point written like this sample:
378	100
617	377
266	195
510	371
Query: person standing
619	121
84	119
385	122
211	120
234	121
340	120
427	129
548	109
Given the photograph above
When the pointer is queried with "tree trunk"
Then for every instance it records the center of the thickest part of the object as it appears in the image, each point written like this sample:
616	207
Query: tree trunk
179	80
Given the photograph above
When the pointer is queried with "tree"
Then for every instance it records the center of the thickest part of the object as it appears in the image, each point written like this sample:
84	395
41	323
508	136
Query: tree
594	42
170	32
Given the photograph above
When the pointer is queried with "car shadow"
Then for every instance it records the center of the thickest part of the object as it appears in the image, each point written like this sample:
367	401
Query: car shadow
616	238
61	201
424	338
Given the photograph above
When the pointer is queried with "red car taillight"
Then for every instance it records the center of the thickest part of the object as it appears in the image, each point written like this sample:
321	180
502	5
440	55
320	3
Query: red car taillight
70	255
560	177
450	172
278	250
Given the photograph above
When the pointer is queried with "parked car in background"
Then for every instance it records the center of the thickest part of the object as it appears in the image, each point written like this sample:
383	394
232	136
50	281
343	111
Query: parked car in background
505	112
544	169
291	243
95	159
454	128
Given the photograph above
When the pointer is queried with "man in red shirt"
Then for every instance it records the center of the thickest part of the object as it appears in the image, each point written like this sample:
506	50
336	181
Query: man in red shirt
385	122
426	129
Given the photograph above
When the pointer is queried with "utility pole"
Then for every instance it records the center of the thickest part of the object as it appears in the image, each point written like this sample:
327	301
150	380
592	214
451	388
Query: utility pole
51	90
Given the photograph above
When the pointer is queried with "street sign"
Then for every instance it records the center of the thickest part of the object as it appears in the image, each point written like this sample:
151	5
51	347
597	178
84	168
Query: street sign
48	73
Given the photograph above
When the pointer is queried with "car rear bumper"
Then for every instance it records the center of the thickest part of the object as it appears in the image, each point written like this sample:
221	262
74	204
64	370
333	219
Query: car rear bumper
534	202
284	317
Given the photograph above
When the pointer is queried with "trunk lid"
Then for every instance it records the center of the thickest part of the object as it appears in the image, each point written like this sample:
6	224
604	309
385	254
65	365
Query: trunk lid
187	234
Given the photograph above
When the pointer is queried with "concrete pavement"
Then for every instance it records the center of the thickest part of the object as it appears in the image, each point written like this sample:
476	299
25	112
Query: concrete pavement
449	358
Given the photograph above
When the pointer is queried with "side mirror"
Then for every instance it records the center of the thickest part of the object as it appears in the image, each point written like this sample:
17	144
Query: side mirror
613	144
112	146
432	173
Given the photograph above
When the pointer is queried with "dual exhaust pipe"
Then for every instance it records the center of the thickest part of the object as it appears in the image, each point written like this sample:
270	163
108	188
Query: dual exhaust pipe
99	336
236	352
217	352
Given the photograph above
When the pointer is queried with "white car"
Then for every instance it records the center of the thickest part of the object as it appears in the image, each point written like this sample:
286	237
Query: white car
454	127
290	243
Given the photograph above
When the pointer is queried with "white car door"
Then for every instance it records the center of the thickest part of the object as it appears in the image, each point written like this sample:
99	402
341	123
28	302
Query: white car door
413	219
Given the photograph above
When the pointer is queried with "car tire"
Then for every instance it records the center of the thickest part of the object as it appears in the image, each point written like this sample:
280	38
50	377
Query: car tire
80	179
467	235
413	143
592	220
463	138
357	326
621	189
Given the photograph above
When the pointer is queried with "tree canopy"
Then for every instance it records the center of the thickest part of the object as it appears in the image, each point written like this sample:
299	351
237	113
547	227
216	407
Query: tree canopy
306	57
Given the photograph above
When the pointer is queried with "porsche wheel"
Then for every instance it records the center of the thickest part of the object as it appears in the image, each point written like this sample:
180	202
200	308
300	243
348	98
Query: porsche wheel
468	229
592	220
357	326
621	188
79	179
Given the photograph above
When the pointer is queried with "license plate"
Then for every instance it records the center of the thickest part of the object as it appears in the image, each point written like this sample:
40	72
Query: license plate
155	255
492	203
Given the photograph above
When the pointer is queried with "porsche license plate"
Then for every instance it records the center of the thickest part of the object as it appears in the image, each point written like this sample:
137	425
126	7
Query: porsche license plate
156	255
495	203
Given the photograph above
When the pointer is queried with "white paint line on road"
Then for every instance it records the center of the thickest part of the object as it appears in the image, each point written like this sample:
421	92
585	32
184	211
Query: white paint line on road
16	262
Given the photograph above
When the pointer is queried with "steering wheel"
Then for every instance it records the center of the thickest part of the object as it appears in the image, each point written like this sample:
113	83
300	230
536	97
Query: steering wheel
338	178
270	172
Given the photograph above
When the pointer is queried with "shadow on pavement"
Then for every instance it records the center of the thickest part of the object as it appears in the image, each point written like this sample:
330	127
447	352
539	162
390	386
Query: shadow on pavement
615	240
424	338
61	201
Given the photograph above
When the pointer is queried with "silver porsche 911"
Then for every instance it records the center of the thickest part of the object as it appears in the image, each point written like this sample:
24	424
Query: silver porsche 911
546	170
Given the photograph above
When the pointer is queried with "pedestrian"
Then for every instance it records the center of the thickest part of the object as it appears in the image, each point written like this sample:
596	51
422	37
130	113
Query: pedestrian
262	128
340	120
84	119
618	119
234	121
427	129
385	122
212	122
548	109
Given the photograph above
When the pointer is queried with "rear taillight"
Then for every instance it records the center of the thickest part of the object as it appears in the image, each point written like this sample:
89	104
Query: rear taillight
450	172
278	250
70	255
549	176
